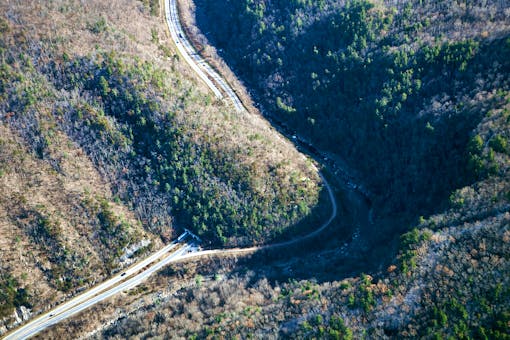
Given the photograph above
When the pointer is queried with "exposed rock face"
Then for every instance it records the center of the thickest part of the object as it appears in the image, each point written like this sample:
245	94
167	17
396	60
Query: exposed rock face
129	251
24	313
20	315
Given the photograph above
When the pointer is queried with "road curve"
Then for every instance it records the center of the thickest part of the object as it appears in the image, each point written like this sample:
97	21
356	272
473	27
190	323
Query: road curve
125	280
234	251
195	60
198	63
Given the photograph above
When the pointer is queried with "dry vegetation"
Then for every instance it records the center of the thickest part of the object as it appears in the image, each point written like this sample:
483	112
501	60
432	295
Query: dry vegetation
457	286
187	9
105	142
449	279
48	220
392	88
451	276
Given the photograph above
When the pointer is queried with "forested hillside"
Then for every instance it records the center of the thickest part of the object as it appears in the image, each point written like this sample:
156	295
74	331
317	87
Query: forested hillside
395	89
108	150
414	97
108	147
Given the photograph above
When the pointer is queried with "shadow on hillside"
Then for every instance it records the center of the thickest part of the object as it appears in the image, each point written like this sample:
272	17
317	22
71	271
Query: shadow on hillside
348	247
412	152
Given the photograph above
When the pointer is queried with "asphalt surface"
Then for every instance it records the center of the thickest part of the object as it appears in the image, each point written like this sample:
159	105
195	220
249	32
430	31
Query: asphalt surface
211	78
136	274
202	68
120	282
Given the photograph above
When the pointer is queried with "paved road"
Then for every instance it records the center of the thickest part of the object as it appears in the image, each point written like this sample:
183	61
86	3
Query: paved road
212	79
121	282
218	86
314	233
132	276
200	66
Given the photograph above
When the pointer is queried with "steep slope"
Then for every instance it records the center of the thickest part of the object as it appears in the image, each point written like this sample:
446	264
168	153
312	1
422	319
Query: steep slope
436	75
441	151
107	149
450	280
394	89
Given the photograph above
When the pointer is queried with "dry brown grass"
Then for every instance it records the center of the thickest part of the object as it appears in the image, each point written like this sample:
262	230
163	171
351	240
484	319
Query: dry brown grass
31	184
61	192
129	34
187	10
441	262
252	130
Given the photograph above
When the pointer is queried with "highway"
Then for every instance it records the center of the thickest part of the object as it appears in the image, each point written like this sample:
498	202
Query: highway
200	66
121	282
233	251
218	86
136	274
195	60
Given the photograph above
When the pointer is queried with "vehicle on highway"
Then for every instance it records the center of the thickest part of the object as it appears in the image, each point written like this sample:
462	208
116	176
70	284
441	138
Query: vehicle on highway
161	258
180	238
